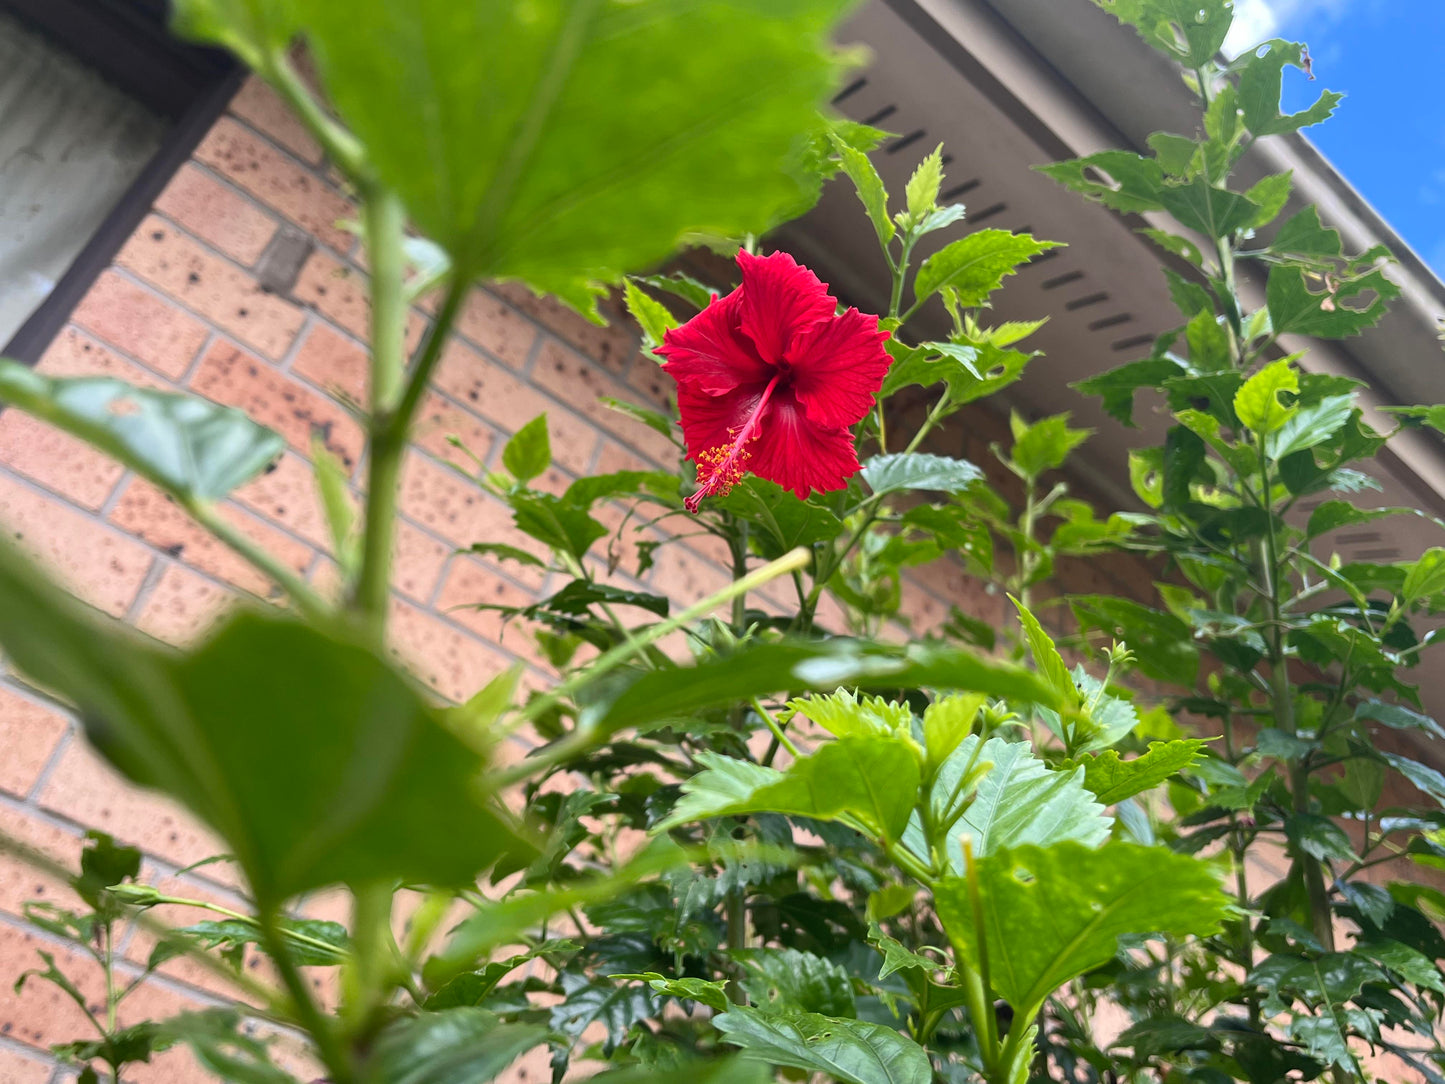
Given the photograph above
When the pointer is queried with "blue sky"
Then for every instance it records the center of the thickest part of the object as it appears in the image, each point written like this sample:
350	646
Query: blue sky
1388	136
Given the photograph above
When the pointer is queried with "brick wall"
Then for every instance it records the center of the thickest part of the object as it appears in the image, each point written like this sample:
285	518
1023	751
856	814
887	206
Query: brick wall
241	288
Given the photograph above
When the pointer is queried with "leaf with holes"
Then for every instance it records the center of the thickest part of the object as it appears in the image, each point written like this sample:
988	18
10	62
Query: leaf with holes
188	446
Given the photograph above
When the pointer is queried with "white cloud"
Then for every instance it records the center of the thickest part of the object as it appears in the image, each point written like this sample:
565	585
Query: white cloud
1258	20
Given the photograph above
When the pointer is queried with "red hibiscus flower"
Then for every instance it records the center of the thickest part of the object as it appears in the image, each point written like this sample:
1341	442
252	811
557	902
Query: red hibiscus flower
770	378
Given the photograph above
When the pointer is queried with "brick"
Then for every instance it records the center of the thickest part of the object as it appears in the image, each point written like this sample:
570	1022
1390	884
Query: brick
277	181
29	732
40	1014
947	582
333	362
452	507
580	384
182	607
469	583
217	214
102	567
658	390
339	292
438	419
88	791
149	514
262	108
286	493
133	319
611	346
416	562
447	659
613	457
74	353
21	882
209	285
507	402
923	610
19	1069
686	578
271	398
58	461
497	328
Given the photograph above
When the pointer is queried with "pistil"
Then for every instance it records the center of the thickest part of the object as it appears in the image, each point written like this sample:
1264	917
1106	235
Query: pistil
725	464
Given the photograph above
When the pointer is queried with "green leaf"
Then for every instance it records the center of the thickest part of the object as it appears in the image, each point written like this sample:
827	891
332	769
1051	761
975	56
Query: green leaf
1295	308
976	265
947	722
556	143
555	522
1426	779
1112	779
448	1046
189	447
923	185
529	452
249	28
313	759
784	522
309	942
1310	426
1331	515
1303	234
1426	575
794	666
1214	212
846	715
1021	801
1270	194
1046	655
652	316
850	1051
917	470
1045	444
222	1045
869	185
1174	153
788	981
618	1006
1117	387
658	423
1260	84
1189	30
874	779
1318	837
737	1070
333	484
711	994
1051	914
1208	341
1397	717
1257	403
697	294
1138	182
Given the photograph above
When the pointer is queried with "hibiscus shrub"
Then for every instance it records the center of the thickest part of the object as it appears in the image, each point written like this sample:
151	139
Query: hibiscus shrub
775	833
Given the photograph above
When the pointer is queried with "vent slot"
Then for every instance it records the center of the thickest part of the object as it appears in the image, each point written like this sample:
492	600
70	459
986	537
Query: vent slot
1085	301
1110	321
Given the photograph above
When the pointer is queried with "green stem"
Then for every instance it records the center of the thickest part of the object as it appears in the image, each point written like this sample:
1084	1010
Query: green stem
580	738
778	734
306	600
343	148
333	1052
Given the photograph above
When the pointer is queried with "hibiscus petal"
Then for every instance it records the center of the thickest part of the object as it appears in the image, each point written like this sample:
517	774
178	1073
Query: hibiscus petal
710	352
838	366
780	299
709	421
800	455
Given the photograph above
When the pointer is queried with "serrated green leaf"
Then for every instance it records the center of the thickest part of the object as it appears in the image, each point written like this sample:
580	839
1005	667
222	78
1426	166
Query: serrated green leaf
918	471
1118	387
1051	914
652	316
1331	515
976	265
1045	444
1303	234
711	994
869	186
1270	194
789	981
923	185
1296	308
1260	83
190	447
873	779
1426	575
947	722
1112	779
850	1051
448	1046
1046	655
1319	837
